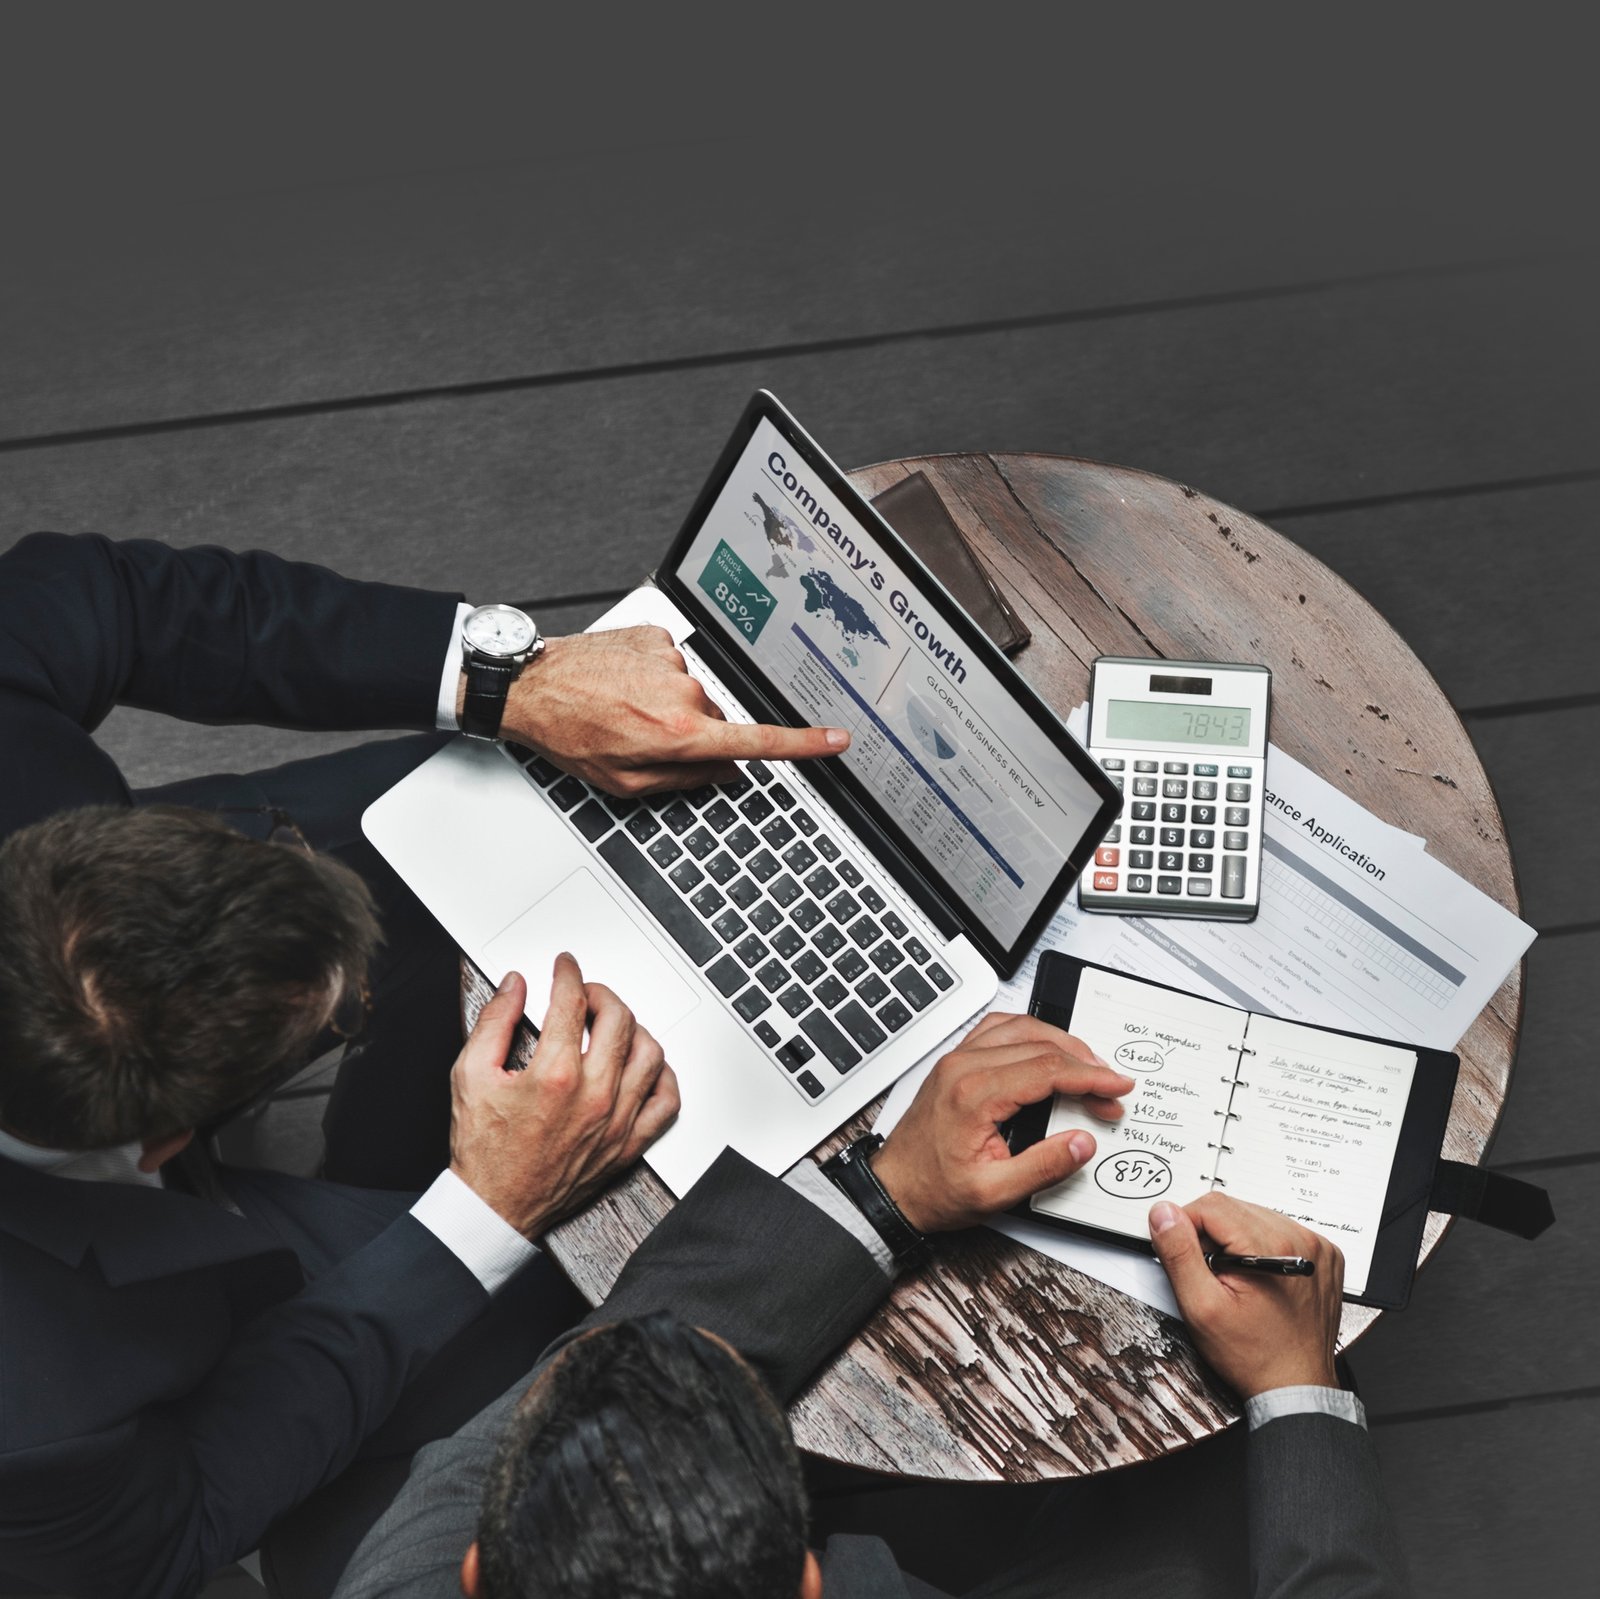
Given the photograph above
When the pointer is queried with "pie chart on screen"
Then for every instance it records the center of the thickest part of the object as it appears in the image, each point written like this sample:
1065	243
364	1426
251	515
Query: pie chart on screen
929	730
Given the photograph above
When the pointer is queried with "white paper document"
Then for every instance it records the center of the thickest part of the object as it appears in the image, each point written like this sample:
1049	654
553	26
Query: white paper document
1359	929
1324	1116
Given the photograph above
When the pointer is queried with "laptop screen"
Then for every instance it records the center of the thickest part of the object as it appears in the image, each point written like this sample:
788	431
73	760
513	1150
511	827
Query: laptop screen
976	778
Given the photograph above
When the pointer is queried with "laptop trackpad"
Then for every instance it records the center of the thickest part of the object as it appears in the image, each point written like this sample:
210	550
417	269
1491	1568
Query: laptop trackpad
580	916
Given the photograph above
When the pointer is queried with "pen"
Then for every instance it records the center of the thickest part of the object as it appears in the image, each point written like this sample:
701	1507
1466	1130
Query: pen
1278	1265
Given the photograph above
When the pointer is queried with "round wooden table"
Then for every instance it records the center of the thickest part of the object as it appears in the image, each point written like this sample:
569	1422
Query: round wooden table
997	1363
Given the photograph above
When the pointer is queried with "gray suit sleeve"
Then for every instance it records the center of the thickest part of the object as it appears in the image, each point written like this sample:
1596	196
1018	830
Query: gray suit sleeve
1319	1519
747	1257
744	1256
414	1550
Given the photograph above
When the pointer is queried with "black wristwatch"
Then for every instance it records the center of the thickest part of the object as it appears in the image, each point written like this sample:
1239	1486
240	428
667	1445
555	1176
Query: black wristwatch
497	641
851	1172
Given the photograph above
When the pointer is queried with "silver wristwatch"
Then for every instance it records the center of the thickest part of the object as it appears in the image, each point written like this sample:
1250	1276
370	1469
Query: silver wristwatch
497	641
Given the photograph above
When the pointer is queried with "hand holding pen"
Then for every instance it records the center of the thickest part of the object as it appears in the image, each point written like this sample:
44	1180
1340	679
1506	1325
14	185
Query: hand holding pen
1260	1293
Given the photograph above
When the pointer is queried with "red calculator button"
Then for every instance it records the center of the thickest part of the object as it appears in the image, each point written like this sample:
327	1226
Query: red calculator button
1107	857
1106	881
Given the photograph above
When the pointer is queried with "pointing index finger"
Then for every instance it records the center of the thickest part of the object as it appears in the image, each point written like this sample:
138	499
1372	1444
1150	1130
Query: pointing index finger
751	741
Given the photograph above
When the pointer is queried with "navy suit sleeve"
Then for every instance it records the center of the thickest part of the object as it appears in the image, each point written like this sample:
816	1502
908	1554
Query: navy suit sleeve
206	634
182	1489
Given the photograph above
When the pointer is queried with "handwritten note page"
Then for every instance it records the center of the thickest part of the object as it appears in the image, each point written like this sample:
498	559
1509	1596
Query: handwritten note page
1318	1121
1182	1054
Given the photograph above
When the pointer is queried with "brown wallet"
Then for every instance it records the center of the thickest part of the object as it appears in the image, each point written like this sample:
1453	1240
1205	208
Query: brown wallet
912	507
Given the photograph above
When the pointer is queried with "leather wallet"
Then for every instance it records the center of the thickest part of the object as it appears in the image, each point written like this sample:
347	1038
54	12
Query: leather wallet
912	507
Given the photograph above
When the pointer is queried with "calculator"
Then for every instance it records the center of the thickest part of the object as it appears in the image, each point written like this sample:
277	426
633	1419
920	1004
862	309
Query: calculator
1186	742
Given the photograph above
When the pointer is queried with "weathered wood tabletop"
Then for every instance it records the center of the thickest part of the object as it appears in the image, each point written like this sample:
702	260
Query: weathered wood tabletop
996	1363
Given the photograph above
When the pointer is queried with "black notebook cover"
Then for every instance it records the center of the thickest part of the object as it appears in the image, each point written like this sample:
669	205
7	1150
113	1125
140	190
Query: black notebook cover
1405	1206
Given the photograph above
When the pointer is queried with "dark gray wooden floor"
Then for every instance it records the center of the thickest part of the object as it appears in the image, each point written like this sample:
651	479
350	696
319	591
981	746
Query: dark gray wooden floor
497	353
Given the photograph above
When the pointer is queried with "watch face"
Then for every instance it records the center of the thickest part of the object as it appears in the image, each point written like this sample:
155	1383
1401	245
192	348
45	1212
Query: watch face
498	630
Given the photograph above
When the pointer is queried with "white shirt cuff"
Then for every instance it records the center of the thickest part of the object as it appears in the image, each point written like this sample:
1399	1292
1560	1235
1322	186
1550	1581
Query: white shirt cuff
478	1236
1307	1400
808	1180
444	717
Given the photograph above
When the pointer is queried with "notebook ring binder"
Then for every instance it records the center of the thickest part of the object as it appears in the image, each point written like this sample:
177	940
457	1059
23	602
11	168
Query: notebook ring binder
1391	1185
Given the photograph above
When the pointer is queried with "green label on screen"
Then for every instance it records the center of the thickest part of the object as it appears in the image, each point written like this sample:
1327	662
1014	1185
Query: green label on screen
737	592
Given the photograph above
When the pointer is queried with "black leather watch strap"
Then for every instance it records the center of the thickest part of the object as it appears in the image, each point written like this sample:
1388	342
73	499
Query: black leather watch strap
488	684
851	1172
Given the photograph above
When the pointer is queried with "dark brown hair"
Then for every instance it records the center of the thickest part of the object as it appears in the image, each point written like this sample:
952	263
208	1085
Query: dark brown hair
159	969
647	1461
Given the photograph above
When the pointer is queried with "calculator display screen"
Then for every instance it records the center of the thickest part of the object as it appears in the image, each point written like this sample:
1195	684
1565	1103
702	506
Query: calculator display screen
1178	724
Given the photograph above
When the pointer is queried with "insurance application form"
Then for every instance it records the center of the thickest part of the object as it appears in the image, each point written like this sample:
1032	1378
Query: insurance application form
1360	927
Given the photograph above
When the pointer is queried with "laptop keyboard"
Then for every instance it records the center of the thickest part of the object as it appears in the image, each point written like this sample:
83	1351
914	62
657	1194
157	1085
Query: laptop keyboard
779	912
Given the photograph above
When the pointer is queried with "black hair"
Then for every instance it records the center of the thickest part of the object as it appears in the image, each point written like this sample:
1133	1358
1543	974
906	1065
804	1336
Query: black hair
158	969
647	1462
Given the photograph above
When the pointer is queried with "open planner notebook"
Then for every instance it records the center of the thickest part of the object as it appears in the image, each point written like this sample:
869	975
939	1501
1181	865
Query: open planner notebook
1338	1131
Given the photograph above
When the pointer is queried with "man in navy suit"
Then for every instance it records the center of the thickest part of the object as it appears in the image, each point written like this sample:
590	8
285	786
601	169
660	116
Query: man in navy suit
180	1369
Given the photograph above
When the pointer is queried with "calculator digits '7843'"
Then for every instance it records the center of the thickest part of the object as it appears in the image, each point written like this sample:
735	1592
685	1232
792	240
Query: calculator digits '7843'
1186	742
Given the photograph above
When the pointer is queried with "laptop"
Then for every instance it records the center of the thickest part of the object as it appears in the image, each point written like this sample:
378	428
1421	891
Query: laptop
798	939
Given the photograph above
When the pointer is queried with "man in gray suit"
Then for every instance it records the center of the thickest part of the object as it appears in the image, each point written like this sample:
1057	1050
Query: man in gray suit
646	1458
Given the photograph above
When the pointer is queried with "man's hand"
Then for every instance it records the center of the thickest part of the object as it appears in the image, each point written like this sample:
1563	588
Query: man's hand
1255	1331
946	1165
535	1144
620	710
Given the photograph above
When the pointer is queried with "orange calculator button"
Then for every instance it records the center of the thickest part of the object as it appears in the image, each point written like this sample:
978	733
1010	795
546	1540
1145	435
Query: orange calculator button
1106	881
1107	857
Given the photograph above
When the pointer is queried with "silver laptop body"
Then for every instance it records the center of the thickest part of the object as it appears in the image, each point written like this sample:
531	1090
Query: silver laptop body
798	940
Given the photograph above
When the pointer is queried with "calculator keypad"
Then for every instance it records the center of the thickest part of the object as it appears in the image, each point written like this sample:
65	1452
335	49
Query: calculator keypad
1187	863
